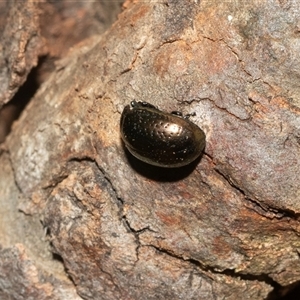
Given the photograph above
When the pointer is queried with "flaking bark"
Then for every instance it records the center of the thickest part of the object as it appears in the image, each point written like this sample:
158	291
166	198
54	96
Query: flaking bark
224	227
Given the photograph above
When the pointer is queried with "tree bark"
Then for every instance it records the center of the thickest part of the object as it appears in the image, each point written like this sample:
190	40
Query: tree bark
82	219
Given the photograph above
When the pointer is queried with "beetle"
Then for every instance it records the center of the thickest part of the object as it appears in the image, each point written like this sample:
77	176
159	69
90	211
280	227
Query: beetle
159	138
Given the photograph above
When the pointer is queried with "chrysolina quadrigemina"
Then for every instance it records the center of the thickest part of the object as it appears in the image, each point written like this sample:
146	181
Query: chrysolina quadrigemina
159	138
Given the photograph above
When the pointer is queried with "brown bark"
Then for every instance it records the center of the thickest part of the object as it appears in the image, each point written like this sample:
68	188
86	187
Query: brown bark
225	227
21	44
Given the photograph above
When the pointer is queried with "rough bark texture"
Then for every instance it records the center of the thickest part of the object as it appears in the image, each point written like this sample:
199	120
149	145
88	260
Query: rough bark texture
21	44
226	227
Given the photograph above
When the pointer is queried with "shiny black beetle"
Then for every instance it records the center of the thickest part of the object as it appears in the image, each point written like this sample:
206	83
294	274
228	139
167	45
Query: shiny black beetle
159	138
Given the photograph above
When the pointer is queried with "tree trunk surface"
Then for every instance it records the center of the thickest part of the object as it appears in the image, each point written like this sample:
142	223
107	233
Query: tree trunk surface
82	219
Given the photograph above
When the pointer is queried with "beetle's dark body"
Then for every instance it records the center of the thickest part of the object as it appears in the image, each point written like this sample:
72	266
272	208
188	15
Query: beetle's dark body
160	138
